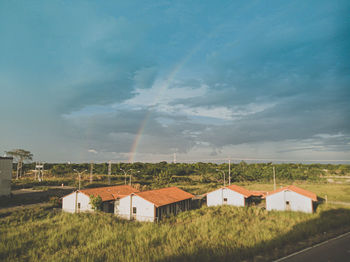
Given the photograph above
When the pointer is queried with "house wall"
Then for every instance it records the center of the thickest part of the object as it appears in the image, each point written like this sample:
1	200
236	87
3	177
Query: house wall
297	202
217	198
5	176
145	211
173	209
70	203
122	207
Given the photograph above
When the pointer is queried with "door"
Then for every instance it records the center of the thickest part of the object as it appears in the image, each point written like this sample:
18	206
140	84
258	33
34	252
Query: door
134	211
287	205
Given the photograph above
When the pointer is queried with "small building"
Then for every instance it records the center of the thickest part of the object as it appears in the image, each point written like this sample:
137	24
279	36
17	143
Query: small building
291	198
79	201
229	195
153	205
5	175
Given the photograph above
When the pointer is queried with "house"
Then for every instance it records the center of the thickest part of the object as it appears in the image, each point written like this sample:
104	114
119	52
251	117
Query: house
5	175
229	195
79	201
291	198
153	205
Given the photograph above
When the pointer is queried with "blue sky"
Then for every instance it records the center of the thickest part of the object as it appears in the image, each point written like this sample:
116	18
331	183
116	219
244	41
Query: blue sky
80	80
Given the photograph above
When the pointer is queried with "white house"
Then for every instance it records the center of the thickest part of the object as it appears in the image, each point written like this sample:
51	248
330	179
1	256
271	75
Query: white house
153	205
79	201
5	175
229	195
291	198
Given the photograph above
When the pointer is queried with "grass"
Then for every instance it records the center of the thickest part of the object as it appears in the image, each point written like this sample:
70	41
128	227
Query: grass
208	234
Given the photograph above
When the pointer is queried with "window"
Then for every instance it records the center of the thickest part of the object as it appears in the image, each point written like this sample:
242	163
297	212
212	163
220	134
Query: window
225	199
134	210
79	205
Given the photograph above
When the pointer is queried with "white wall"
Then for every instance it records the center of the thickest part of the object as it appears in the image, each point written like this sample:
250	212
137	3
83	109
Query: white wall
217	197
5	176
144	210
214	198
297	202
70	203
123	209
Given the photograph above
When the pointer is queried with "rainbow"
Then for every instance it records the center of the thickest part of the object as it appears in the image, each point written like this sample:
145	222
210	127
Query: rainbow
163	89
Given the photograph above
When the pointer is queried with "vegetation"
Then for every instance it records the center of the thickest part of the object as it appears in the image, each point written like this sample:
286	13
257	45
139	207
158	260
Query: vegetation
198	174
208	234
215	233
20	156
96	202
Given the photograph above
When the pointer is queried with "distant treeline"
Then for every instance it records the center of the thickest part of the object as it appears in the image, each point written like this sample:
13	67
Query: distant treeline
205	172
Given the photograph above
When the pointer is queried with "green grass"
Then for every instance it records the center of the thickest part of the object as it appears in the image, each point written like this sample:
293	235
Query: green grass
208	234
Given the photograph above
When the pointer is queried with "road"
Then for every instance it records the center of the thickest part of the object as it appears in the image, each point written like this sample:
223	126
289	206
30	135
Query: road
333	250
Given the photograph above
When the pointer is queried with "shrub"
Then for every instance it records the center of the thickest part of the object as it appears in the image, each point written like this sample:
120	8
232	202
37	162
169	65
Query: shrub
96	202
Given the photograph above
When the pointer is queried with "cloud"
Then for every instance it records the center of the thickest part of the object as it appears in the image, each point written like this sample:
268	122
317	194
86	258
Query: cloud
92	151
204	78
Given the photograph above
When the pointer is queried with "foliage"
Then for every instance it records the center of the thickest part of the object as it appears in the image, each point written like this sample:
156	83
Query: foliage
208	234
96	202
21	156
55	201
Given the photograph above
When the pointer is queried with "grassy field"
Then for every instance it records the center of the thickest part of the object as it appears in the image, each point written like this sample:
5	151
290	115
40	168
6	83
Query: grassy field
207	234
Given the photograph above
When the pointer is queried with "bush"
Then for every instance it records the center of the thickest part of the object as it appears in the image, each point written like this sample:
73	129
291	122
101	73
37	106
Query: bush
96	202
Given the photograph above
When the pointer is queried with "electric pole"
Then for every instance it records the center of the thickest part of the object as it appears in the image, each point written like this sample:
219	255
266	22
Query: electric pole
109	171
229	172
91	170
274	178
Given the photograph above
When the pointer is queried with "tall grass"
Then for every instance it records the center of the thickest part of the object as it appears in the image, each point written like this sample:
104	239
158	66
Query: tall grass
206	234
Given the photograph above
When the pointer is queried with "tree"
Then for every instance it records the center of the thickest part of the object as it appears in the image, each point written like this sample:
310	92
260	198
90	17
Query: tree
20	155
96	202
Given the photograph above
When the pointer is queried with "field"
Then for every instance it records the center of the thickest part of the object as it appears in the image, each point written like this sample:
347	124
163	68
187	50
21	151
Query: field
206	234
223	233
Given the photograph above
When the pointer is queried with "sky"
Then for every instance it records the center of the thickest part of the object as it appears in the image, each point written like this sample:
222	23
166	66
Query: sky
130	81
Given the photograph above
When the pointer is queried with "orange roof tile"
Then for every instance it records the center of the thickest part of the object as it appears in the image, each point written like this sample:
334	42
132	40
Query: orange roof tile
165	196
258	193
298	190
241	190
110	192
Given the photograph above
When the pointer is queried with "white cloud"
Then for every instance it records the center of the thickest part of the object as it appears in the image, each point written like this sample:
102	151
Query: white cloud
93	151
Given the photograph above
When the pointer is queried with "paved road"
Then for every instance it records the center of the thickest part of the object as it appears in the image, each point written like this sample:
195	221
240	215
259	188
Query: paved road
333	250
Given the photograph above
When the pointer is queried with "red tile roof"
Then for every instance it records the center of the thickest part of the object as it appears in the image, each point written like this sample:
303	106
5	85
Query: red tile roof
110	192
258	193
241	190
298	190
165	196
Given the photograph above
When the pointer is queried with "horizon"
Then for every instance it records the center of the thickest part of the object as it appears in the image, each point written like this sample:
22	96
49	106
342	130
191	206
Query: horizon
138	82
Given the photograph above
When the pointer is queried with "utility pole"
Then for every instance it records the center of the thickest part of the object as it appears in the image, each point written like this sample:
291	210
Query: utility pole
229	172
79	175
91	170
274	178
175	158
109	171
223	172
124	175
79	180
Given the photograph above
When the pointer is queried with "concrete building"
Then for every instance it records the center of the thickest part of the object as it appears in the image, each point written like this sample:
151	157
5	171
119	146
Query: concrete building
79	201
153	205
5	175
291	198
229	195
